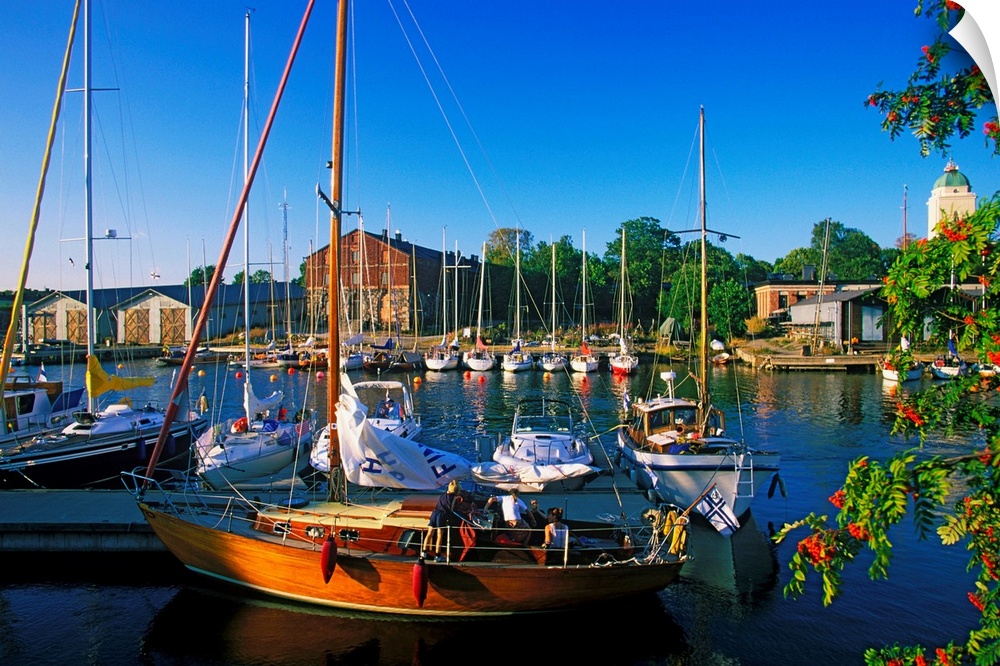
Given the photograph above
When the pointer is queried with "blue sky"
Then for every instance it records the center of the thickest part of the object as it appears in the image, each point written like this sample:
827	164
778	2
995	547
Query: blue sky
569	116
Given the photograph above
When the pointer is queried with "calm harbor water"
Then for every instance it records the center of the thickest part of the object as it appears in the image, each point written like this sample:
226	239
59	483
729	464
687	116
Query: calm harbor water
727	608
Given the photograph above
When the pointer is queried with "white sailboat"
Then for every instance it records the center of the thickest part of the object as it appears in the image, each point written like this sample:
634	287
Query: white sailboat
480	358
517	360
98	443
553	361
624	361
443	356
264	440
584	360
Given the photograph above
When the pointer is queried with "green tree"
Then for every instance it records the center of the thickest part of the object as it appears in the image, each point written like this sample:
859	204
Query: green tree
200	276
957	498
796	259
501	245
683	299
753	270
646	242
539	275
729	306
259	276
850	254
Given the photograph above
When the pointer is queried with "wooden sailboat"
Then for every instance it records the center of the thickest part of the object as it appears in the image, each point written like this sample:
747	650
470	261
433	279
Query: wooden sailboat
365	555
624	361
678	448
584	360
480	358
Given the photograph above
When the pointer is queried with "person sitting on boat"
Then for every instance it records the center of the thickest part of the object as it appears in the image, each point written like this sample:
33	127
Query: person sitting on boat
387	409
556	532
443	515
536	517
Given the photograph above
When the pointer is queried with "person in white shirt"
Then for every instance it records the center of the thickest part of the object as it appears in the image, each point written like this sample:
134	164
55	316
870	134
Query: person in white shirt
514	511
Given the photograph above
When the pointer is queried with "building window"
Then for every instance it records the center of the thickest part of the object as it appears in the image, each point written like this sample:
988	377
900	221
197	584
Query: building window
782	300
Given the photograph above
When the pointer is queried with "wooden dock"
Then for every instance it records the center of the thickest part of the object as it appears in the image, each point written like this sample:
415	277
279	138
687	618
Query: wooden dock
859	363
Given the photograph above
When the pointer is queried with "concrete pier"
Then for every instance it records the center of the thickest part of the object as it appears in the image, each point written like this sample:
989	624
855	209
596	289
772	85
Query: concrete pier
73	521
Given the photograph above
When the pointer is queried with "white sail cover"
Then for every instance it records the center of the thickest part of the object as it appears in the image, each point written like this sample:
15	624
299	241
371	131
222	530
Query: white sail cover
254	405
377	458
500	474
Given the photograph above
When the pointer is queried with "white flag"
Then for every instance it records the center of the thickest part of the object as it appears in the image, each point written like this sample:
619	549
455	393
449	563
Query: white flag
714	507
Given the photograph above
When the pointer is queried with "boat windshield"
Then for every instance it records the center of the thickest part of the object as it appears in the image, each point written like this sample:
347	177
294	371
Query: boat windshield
546	423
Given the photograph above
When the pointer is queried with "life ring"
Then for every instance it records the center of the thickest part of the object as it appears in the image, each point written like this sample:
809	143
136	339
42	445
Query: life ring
680	429
240	425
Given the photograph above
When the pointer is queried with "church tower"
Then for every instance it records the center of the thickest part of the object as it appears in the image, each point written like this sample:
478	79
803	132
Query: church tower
952	195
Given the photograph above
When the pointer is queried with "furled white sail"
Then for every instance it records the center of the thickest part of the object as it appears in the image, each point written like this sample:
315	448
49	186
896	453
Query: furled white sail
254	405
377	458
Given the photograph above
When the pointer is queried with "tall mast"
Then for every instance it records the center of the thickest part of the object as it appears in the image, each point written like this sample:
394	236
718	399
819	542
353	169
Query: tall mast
88	191
246	209
482	283
703	345
621	304
552	333
583	313
337	483
517	289
444	287
454	294
284	244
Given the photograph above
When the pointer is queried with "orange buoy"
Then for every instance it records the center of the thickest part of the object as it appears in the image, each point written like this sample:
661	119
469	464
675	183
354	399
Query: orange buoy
420	582
320	375
291	371
328	558
239	375
417	380
201	373
274	378
121	366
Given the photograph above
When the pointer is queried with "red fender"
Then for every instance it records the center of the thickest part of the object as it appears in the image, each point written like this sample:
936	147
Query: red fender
329	558
420	582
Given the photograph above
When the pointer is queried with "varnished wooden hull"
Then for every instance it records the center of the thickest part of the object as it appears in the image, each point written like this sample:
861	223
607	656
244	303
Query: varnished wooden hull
375	582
